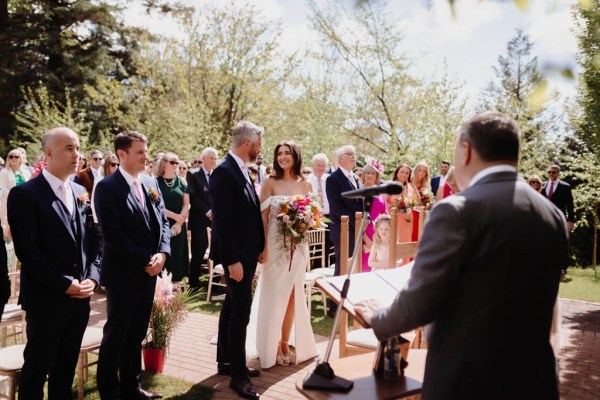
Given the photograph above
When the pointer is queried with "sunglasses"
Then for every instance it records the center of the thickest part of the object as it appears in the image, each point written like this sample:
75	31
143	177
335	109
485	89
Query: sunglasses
114	164
534	183
552	172
13	157
197	162
172	162
96	158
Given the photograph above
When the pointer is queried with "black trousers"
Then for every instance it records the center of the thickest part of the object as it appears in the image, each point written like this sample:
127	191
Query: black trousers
233	321
120	360
54	333
199	245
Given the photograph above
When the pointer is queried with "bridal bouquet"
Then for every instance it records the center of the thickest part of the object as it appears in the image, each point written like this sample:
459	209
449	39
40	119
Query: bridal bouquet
297	215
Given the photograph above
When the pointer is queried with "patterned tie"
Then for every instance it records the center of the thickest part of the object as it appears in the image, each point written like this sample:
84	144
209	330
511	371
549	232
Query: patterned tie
320	190
138	190
66	196
551	190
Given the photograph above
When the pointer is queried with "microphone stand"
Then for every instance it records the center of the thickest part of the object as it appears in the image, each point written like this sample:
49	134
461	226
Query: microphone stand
323	376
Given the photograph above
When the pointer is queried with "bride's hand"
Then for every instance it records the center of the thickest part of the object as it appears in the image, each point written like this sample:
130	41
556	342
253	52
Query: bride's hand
262	257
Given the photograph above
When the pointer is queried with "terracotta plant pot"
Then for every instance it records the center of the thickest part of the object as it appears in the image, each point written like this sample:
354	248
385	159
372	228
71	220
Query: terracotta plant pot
154	359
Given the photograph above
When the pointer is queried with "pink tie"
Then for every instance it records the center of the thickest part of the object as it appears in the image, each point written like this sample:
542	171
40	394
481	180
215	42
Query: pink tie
138	189
551	190
65	196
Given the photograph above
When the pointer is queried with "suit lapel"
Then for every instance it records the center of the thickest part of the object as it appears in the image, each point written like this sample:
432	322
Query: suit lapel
135	203
59	208
242	179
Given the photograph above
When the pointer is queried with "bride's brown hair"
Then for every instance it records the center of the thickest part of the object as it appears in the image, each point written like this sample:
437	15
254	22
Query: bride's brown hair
296	155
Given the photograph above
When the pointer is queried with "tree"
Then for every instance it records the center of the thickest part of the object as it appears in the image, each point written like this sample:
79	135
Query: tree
516	78
62	43
587	17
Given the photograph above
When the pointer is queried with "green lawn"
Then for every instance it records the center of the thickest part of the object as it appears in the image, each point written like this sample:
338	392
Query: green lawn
581	284
171	388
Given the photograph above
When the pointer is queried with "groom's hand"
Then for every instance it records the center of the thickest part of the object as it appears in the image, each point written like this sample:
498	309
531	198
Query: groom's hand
236	271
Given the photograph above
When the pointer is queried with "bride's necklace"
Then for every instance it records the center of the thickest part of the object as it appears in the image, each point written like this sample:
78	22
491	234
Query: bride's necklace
170	184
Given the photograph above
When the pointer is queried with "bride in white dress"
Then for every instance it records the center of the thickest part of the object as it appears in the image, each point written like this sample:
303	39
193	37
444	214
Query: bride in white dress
279	317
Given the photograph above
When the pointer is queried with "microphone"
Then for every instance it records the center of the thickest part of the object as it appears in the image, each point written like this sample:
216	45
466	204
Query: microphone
388	188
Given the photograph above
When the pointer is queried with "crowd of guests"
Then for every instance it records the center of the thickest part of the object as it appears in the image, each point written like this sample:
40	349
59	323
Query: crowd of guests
130	194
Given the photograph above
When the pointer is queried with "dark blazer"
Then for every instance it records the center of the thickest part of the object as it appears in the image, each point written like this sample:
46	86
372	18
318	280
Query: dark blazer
199	201
336	184
43	234
130	239
4	280
496	267
236	216
85	178
562	198
435	184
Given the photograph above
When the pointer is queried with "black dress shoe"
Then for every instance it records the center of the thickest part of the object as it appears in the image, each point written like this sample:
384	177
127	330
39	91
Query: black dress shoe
244	388
225	369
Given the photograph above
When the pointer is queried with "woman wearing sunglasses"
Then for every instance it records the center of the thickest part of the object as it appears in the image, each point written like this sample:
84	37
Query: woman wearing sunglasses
14	173
176	196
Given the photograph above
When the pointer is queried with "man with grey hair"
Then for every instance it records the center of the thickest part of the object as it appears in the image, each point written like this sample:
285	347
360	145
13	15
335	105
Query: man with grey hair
342	180
237	241
317	179
200	212
51	218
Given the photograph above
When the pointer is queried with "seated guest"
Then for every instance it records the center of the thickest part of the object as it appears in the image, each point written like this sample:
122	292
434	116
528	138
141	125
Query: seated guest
371	177
463	285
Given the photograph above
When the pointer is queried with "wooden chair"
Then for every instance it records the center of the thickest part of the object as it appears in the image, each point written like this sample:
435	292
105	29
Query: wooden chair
92	338
11	363
316	251
214	271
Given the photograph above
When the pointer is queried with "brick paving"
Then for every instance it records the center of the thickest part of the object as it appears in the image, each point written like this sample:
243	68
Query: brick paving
192	357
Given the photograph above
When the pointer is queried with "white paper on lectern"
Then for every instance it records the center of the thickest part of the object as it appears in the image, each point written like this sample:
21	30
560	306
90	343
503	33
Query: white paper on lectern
381	285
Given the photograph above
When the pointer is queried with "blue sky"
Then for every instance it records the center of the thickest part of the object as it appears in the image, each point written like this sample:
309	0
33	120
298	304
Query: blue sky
470	41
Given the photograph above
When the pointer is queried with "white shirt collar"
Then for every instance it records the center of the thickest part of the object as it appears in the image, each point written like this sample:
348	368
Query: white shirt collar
54	182
238	160
348	174
491	170
128	177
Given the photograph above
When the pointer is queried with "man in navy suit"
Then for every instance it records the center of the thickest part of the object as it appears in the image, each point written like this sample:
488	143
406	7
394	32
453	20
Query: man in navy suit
237	241
54	238
342	180
436	181
136	234
200	212
559	193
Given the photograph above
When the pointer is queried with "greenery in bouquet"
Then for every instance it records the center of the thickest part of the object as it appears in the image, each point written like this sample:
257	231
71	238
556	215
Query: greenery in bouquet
169	310
426	197
404	203
297	215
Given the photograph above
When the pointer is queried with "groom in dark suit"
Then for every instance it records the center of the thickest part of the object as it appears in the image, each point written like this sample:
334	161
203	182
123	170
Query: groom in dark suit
136	233
237	241
200	216
463	281
54	238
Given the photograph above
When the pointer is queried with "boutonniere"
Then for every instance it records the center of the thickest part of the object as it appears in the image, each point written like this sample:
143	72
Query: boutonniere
155	194
205	188
83	199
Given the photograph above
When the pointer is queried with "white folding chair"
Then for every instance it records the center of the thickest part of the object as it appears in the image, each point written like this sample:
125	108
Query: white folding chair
214	272
316	251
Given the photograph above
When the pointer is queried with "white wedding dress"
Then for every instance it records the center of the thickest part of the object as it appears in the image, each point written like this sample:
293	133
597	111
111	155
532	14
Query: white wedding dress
271	298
